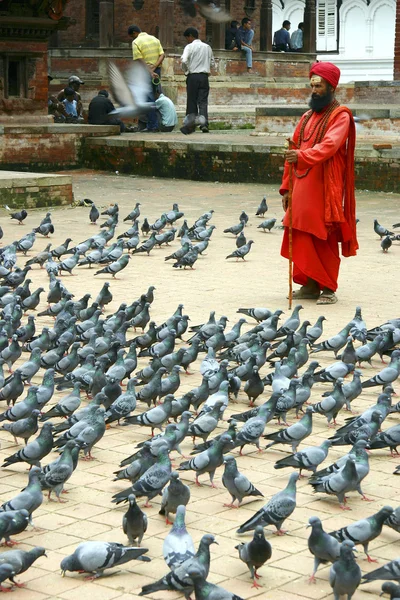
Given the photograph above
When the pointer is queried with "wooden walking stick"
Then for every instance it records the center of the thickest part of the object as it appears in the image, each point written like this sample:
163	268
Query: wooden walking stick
290	209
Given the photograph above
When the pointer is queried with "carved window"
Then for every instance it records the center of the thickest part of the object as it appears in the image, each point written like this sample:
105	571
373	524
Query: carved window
15	77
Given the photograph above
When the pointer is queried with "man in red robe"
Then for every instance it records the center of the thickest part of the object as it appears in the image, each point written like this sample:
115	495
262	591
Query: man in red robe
320	168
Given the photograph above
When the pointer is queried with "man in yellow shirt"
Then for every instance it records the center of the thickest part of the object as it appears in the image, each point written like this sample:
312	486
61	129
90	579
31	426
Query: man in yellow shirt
148	48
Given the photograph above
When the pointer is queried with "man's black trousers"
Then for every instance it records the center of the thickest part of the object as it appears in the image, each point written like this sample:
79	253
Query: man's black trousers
198	88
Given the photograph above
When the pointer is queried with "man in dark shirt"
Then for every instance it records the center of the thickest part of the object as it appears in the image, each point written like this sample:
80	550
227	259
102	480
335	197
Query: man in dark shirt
281	41
230	35
99	111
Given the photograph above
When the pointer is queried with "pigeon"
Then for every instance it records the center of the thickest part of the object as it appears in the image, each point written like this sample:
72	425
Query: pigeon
331	405
277	509
388	375
30	498
268	224
176	494
94	214
388	438
21	560
364	531
393	521
309	458
345	574
386	243
96	557
263	208
255	553
44	229
13	522
209	460
241	252
177	580
392	589
178	544
236	229
294	434
67	405
59	472
236	483
390	570
338	483
130	89
134	522
23	428
381	230
188	259
155	417
322	546
18	216
152	481
34	451
334	343
115	267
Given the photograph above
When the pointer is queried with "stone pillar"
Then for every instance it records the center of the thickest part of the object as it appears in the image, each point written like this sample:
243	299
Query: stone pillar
266	25
218	32
310	27
166	21
106	26
396	66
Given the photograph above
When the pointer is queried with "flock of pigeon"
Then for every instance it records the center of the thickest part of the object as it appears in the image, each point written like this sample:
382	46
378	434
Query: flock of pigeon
89	350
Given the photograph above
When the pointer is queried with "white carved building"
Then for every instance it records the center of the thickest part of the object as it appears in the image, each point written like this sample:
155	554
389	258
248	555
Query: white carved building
358	35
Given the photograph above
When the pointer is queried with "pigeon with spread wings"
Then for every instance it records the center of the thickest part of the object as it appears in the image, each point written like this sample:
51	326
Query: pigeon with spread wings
131	89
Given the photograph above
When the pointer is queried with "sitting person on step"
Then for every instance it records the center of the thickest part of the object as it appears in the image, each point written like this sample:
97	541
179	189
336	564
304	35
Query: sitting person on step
244	38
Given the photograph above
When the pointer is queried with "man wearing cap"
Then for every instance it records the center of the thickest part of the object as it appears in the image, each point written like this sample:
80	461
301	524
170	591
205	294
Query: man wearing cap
319	168
74	82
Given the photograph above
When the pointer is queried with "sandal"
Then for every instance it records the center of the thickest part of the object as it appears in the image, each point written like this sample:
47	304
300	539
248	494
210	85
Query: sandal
304	294
327	298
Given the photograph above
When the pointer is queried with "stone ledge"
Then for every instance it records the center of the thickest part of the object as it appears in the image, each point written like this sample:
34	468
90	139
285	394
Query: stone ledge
57	128
9	179
34	190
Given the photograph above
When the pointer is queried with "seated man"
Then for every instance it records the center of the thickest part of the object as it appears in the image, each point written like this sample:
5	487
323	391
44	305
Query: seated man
230	36
244	37
70	105
99	111
281	41
296	39
166	113
74	82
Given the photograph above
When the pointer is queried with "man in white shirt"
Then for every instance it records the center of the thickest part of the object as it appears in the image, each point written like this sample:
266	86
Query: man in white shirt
197	60
296	40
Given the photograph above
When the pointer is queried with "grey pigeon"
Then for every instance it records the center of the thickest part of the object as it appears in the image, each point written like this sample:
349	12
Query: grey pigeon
255	553
177	579
6	570
309	458
23	428
67	405
388	438
390	570
134	522
178	544
381	230
154	417
12	522
338	483
393	521
152	481
59	472
115	267
322	546
236	483
21	560
174	495
331	405
242	251
391	588
388	375
96	557
365	530
345	574
209	460
34	451
263	207
30	498
277	509
267	225
294	434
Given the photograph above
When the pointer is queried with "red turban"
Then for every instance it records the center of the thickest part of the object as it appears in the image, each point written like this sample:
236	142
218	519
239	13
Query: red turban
328	71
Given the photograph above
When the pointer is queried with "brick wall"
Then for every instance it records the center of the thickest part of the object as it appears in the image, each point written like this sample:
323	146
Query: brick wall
215	163
36	101
148	20
37	196
45	148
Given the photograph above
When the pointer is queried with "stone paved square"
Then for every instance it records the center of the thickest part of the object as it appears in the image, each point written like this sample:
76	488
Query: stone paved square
371	280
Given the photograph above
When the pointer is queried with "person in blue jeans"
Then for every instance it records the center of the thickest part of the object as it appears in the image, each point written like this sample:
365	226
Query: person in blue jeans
244	38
